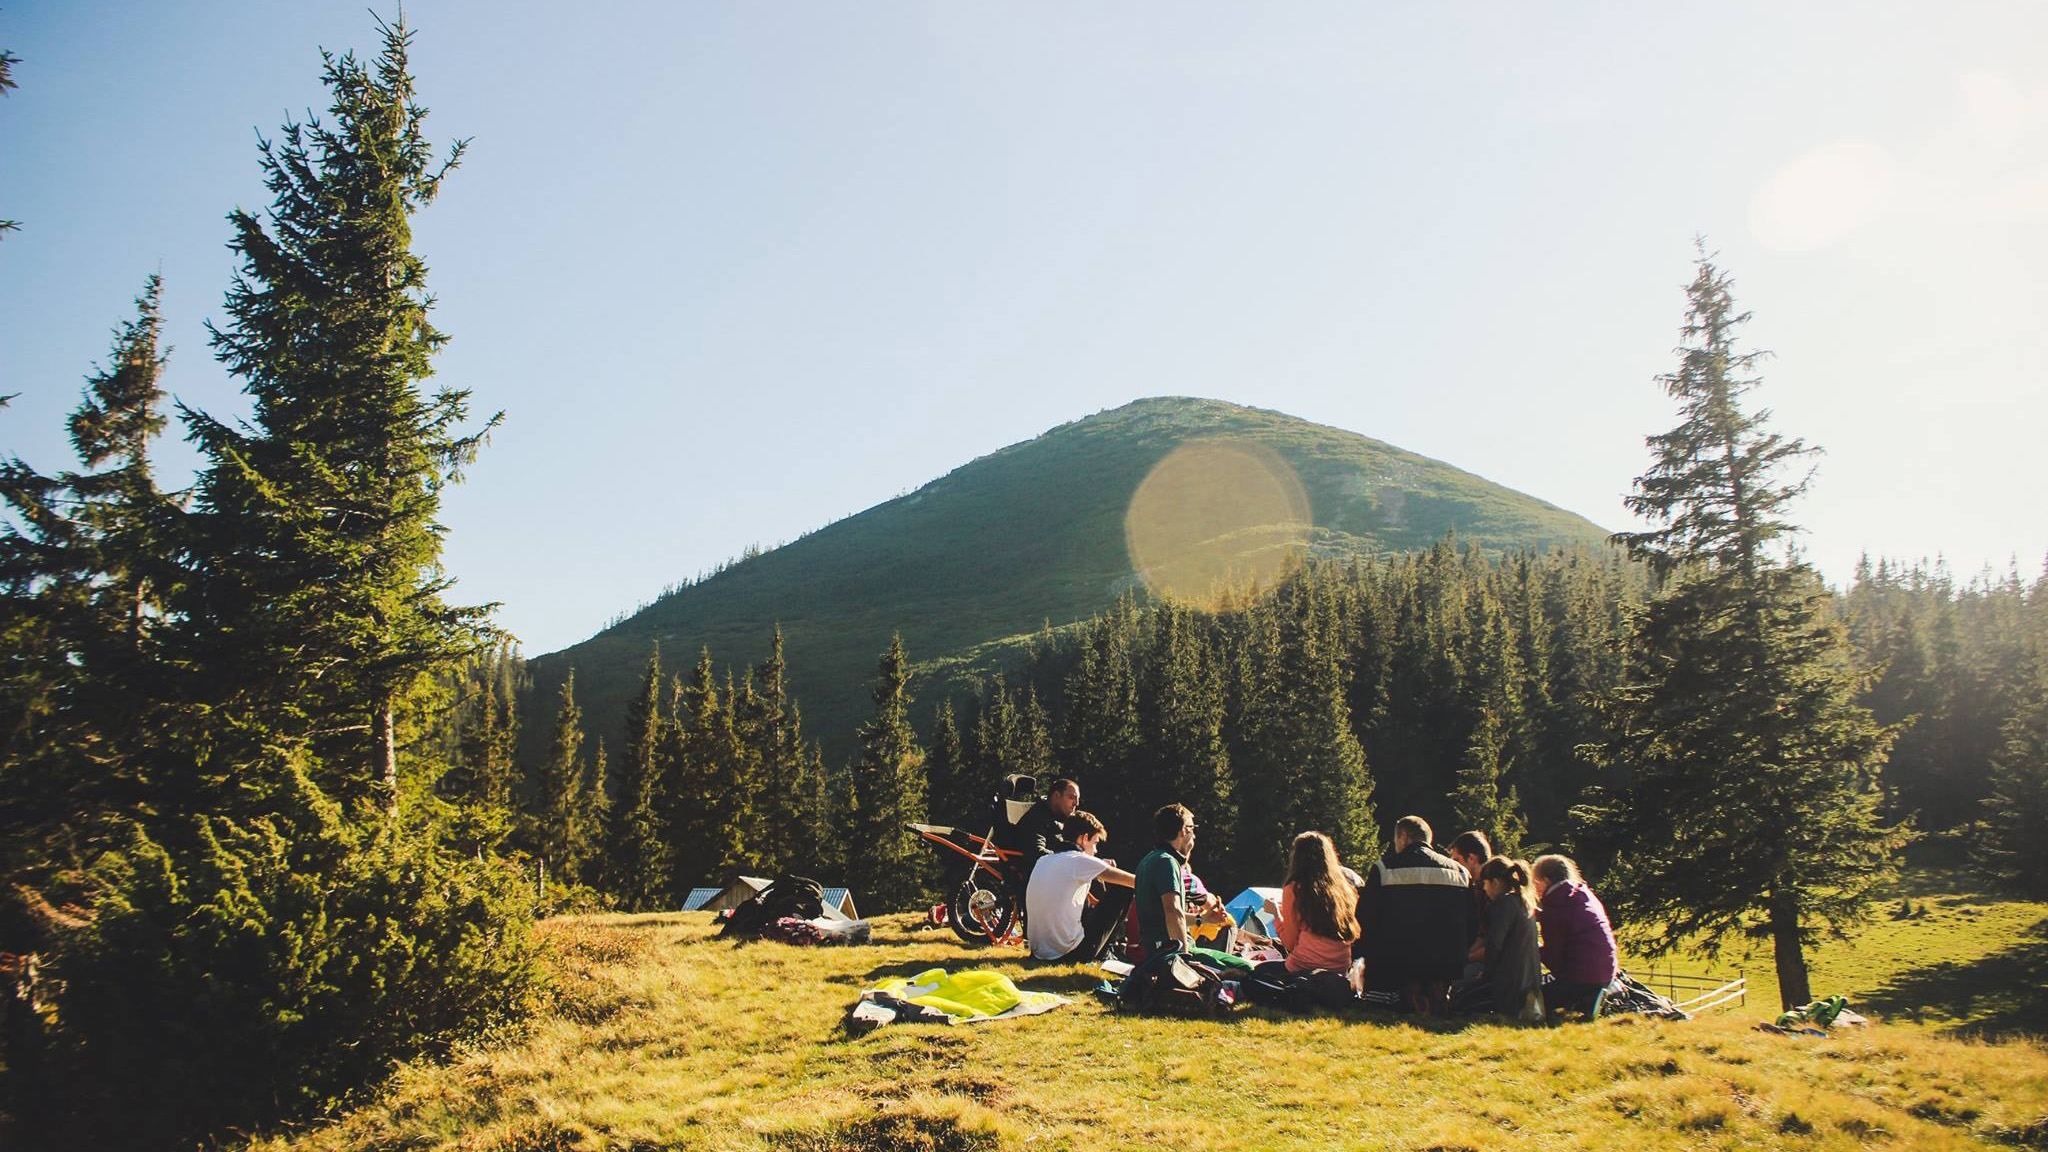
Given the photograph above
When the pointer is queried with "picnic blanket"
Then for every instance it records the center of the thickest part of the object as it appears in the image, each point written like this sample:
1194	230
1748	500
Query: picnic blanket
935	996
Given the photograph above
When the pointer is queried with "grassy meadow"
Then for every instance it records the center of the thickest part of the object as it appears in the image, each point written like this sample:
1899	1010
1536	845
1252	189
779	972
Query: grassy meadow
662	1036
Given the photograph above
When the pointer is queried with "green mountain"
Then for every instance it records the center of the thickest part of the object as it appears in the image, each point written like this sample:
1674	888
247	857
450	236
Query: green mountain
1042	533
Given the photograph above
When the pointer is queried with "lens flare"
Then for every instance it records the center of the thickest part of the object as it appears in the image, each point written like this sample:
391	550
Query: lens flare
1214	519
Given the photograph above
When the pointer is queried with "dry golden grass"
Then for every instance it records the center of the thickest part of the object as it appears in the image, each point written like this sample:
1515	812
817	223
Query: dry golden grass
662	1036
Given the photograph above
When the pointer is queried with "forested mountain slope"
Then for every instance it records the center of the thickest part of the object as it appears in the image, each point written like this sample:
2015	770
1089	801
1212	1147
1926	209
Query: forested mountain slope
1029	535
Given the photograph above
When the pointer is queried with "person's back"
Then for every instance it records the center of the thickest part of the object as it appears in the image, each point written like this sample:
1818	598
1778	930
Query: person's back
1513	974
1416	919
1578	939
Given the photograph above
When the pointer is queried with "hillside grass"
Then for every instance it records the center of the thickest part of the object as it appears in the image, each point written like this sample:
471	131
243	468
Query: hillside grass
663	1036
1943	954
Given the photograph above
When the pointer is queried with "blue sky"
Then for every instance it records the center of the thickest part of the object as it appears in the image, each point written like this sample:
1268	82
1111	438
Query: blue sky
737	270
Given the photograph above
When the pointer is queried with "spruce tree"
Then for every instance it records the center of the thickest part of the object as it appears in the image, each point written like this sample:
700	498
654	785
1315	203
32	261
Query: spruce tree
996	751
1336	788
254	947
1182	705
709	809
773	731
1034	737
559	834
951	780
1103	737
86	562
1481	801
2013	847
886	866
639	846
1300	766
1744	795
320	594
592	821
486	714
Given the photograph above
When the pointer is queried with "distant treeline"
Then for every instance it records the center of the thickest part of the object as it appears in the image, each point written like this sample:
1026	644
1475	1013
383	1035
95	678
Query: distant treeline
1453	684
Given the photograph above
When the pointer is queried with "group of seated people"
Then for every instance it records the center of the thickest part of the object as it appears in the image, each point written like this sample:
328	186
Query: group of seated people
1424	928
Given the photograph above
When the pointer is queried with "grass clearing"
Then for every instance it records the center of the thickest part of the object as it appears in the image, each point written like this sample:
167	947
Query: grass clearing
663	1036
1964	961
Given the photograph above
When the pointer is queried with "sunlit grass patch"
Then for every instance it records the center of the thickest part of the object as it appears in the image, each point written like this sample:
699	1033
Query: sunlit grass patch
662	1036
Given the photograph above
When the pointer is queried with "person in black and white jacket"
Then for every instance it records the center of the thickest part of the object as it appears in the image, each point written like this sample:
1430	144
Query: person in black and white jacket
1415	919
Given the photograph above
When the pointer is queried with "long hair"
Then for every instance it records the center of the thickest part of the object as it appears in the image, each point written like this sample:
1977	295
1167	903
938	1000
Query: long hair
1323	898
1514	874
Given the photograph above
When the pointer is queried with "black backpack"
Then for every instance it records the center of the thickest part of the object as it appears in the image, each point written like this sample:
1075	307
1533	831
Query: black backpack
798	896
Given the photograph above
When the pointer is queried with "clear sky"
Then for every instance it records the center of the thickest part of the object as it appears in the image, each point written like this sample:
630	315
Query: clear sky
736	270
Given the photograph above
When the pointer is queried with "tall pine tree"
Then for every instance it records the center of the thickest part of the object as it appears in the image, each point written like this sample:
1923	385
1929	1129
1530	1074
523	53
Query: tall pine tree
639	845
320	589
1744	796
559	832
886	865
2014	845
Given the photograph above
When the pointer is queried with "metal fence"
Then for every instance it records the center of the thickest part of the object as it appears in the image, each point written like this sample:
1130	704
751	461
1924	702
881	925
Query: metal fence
1695	993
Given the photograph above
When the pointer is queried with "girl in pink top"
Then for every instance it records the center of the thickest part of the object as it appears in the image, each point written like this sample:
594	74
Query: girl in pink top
1318	908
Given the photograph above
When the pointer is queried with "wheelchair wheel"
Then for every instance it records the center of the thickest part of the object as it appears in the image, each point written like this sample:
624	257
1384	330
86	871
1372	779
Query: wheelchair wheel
982	909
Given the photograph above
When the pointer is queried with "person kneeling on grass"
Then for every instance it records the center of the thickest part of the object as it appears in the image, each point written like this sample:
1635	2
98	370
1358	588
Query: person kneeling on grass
1061	924
1472	850
1578	940
1416	917
1513	974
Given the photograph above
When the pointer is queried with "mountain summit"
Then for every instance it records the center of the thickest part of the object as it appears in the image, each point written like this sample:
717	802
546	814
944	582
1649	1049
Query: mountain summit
1045	531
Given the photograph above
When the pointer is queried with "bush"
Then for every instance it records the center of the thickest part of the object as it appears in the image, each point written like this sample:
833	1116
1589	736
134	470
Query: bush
242	971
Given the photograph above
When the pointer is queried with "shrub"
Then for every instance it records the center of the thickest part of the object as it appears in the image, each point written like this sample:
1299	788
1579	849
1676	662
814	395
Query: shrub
244	970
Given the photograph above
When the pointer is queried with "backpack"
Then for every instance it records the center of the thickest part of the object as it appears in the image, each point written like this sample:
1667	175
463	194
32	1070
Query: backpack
794	897
1170	982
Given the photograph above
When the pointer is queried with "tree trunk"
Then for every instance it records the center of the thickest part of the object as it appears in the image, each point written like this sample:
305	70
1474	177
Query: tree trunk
1793	989
385	734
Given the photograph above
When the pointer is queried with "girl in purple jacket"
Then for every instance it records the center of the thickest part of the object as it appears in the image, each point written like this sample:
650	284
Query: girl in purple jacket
1578	941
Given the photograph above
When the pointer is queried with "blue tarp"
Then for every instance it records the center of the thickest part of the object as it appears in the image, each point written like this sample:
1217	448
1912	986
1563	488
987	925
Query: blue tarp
1248	908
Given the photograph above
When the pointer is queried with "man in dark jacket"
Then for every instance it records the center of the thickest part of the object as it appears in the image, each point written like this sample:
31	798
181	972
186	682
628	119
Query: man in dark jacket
1043	830
1415	919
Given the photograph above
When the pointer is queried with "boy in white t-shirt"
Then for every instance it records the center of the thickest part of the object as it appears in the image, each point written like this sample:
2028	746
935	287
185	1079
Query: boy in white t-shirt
1056	913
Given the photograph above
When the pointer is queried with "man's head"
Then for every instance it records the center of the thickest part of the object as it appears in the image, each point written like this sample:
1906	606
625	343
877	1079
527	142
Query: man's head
1472	849
1088	832
1410	831
1174	826
1064	796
